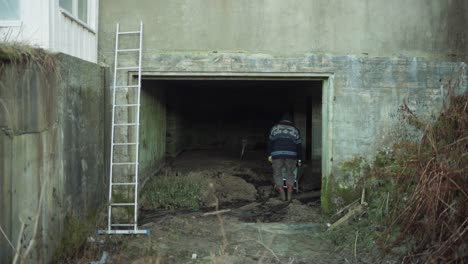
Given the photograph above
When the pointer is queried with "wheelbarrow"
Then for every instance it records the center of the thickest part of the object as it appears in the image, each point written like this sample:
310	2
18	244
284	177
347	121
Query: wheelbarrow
297	176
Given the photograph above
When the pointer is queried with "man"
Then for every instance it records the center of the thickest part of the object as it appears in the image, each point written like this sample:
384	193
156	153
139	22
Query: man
285	151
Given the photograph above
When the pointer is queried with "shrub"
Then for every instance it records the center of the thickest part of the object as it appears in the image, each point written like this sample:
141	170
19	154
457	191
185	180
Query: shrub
429	190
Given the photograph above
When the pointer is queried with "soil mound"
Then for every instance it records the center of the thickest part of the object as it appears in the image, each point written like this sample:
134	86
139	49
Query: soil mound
225	188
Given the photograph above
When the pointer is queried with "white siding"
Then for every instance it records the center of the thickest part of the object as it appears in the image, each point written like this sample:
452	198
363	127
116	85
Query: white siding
33	27
73	37
43	23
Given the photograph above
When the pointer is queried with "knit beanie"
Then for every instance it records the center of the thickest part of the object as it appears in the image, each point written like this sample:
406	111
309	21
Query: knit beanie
287	116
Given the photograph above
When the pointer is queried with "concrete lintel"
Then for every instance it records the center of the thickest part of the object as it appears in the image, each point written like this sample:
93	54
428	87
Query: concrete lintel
277	76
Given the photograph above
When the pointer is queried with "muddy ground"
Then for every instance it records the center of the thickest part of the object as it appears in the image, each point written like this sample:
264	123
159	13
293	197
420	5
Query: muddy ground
255	227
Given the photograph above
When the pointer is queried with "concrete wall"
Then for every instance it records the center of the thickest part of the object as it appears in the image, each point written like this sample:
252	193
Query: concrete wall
374	55
423	28
316	137
362	100
177	125
52	134
152	130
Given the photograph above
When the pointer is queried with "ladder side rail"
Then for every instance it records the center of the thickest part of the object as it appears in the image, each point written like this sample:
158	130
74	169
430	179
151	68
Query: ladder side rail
109	215
138	126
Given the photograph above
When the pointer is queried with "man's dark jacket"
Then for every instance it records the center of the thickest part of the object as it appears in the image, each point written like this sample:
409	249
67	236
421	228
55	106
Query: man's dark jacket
285	141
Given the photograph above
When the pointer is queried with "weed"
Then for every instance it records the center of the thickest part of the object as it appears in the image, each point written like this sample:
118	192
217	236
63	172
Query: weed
417	190
425	186
26	55
74	237
169	192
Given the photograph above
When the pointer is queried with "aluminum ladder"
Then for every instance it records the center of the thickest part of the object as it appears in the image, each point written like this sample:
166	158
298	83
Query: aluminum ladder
122	85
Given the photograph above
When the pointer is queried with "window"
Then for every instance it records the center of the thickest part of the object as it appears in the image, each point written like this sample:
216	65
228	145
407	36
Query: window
77	8
9	10
67	5
83	10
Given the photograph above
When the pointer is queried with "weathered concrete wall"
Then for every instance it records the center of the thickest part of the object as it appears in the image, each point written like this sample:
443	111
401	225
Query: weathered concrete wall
376	54
52	135
152	130
177	124
316	137
366	93
423	28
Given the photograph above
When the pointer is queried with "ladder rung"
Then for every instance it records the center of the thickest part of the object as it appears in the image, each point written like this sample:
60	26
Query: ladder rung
126	86
124	144
123	224
128	32
126	124
122	204
127	50
124	163
122	232
123	183
122	105
127	68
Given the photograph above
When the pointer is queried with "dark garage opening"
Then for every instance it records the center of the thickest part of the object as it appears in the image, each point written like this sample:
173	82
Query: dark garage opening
210	120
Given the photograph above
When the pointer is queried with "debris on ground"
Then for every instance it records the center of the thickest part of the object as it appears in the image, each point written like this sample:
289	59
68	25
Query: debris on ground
298	212
354	211
236	223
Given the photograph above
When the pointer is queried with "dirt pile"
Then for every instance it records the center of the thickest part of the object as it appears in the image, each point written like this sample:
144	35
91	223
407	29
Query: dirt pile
253	173
225	188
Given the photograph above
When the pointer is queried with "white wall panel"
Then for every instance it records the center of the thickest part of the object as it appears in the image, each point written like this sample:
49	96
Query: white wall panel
32	28
73	37
44	24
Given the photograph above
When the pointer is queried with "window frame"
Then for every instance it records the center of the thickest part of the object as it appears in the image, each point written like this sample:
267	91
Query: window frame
74	15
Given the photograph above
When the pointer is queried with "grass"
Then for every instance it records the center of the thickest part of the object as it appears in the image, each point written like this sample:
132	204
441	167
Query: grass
74	236
170	192
23	62
17	53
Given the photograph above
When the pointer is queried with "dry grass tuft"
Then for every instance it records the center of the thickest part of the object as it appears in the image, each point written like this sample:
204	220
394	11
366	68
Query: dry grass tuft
24	54
171	191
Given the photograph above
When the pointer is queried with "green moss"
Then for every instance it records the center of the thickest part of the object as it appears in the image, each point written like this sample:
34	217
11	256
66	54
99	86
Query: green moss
338	193
325	198
347	196
356	167
124	196
75	233
333	196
